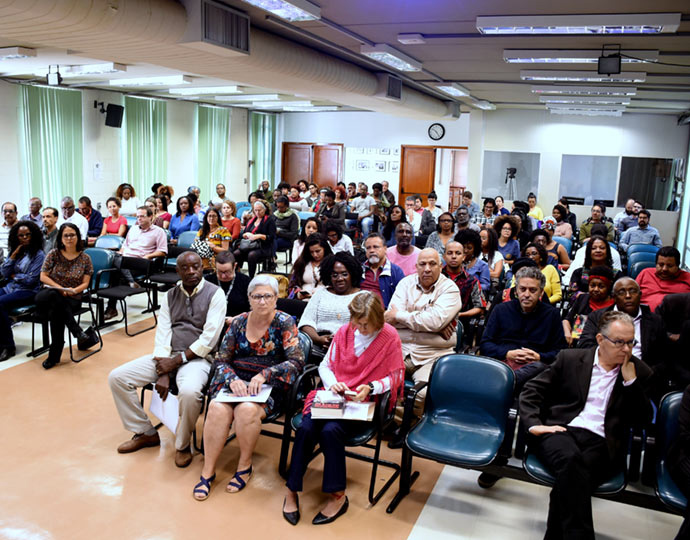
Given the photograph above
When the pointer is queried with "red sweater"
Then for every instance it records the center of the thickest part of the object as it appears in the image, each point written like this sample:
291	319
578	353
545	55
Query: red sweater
654	289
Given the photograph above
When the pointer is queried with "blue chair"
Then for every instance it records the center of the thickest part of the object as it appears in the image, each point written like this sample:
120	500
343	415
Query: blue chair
184	242
242	204
639	266
242	211
566	243
186	239
304	216
109	241
464	423
131	221
642	248
536	469
640	256
667	427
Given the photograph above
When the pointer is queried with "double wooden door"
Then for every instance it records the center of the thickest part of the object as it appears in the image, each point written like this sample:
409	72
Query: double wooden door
318	163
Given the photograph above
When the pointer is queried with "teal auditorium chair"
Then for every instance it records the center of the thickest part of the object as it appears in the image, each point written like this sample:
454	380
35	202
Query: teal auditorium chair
640	256
184	241
639	266
109	241
642	248
667	429
536	470
465	416
566	243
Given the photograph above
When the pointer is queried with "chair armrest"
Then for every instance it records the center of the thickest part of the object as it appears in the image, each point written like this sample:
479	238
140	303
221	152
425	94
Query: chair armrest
306	379
98	276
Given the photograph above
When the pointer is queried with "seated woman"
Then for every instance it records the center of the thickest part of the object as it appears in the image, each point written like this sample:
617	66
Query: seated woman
21	271
597	253
501	210
287	224
332	211
337	240
161	215
445	230
128	198
259	235
537	253
249	214
306	276
491	256
311	226
66	273
228	212
115	223
184	219
296	201
556	254
474	266
212	238
396	215
327	309
507	228
598	297
365	356
260	347
562	228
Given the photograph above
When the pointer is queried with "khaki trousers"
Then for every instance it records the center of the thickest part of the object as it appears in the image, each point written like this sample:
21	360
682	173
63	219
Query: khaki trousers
416	372
191	379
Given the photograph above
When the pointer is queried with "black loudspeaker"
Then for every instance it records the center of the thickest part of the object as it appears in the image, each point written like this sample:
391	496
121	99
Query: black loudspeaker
113	115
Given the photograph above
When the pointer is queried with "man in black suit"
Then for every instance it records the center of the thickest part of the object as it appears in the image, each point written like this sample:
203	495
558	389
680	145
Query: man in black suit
233	283
679	459
577	413
674	311
650	333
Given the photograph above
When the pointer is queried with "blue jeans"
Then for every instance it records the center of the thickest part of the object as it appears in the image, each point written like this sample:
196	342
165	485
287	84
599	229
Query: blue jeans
8	301
367	224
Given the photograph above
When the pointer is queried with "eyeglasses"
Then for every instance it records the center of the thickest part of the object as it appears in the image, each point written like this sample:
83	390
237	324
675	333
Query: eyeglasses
626	292
445	221
619	343
68	236
68	207
262	297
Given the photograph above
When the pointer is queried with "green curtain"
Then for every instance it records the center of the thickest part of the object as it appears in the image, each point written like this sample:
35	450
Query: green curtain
262	140
212	148
52	133
146	142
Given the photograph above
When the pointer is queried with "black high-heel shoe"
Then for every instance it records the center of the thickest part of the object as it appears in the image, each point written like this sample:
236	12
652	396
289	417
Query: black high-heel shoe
291	517
320	519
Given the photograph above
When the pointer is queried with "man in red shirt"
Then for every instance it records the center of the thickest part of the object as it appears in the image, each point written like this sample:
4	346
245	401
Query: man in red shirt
665	278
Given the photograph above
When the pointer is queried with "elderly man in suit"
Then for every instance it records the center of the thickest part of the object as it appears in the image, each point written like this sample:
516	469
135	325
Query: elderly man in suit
577	413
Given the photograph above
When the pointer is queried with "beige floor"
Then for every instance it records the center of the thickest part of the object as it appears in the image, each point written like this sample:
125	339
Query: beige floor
63	479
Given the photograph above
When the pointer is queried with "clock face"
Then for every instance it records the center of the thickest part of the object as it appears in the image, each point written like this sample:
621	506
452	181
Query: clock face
436	131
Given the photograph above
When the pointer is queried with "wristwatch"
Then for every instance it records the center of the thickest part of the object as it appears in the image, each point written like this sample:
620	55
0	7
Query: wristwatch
183	356
371	387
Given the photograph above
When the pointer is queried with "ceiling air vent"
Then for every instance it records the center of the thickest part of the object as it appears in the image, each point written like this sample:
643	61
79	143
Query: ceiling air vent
216	28
389	87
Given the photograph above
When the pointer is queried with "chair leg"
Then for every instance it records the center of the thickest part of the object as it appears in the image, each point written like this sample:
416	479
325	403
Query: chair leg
407	478
374	497
150	307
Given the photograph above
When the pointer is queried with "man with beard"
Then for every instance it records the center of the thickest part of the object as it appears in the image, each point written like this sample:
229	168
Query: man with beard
462	216
403	253
620	216
380	275
666	278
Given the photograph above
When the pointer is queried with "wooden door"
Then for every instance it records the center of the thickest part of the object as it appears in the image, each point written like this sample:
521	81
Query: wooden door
297	162
328	170
458	179
418	165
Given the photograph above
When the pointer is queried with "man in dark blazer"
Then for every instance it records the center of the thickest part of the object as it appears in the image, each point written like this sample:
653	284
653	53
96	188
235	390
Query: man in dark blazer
650	332
674	311
577	413
233	283
679	459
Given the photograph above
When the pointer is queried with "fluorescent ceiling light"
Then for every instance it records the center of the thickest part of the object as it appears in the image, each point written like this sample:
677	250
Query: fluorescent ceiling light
484	105
204	90
591	100
167	80
411	39
586	107
381	52
452	89
639	23
581	112
581	76
293	11
325	108
586	90
279	104
92	69
565	56
16	53
248	97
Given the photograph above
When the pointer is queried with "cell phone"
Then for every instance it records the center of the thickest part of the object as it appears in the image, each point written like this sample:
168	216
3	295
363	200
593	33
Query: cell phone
350	393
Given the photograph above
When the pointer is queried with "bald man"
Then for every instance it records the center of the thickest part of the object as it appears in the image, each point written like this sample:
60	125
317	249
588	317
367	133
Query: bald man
189	327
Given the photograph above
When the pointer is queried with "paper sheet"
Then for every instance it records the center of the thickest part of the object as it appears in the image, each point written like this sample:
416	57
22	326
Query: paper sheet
167	411
261	397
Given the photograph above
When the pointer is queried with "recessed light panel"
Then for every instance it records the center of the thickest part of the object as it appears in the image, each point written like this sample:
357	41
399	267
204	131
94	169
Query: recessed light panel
411	39
585	112
452	89
381	52
638	23
293	11
248	97
565	56
586	90
585	100
205	90
167	80
581	76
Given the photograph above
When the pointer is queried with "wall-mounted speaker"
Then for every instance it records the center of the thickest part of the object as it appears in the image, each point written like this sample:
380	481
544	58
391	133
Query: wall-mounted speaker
113	115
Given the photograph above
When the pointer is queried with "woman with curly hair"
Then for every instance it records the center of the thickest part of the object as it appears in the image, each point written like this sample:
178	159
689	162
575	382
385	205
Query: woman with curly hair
599	297
539	255
597	253
396	215
22	271
213	237
161	215
128	199
507	228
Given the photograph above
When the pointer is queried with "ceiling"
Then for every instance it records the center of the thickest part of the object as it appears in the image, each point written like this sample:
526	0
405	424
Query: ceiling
319	61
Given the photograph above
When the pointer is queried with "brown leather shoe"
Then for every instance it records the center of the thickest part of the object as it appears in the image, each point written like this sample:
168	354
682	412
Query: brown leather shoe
183	457
138	442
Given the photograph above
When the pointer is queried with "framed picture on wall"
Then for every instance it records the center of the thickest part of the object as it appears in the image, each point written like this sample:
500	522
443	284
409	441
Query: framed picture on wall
394	166
362	165
385	151
380	166
371	150
396	151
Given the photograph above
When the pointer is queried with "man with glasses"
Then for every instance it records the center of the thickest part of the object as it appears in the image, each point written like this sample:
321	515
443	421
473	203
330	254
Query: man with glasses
69	215
9	212
189	327
651	345
233	283
578	414
487	217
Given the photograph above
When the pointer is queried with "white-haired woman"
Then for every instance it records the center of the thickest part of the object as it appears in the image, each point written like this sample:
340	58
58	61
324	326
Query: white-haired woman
260	347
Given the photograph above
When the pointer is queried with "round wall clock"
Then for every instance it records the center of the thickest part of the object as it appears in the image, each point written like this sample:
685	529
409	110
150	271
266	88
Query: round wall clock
436	132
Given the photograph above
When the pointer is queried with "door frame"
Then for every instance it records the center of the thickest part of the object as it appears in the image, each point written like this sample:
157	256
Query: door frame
402	146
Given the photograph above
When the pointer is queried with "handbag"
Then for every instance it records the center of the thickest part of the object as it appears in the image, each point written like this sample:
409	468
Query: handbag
248	245
202	248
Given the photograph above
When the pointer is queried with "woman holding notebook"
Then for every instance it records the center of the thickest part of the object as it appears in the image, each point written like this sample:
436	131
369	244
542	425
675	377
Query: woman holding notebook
364	359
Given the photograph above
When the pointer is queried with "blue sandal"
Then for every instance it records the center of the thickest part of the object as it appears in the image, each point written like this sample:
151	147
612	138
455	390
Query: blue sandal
203	487
239	484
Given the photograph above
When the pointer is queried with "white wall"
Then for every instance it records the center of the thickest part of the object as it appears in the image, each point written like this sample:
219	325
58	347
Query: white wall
370	130
10	152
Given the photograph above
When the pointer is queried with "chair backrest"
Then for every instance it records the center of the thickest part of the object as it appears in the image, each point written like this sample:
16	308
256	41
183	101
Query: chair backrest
131	221
304	216
644	248
109	241
477	388
639	266
459	333
186	239
242	211
667	423
640	256
566	243
305	344
101	259
242	204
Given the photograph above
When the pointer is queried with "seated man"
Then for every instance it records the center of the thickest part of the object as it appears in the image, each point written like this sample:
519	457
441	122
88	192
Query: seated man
651	341
94	218
49	229
462	217
365	207
414	218
9	212
403	253
625	213
577	413
189	327
632	220
643	233
472	207
665	278
674	311
598	211
233	283
525	333
34	214
379	275
69	215
330	211
144	240
423	309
